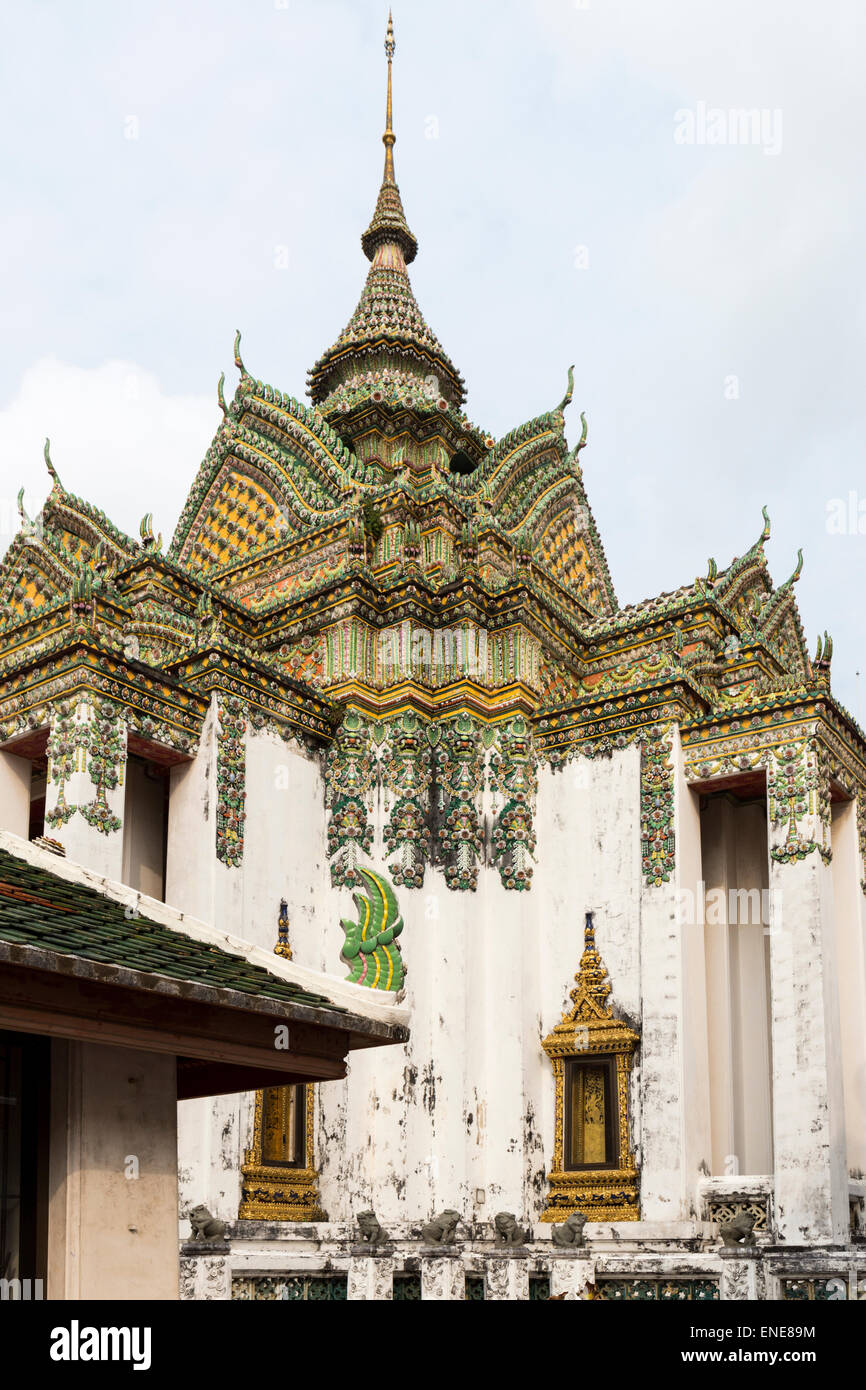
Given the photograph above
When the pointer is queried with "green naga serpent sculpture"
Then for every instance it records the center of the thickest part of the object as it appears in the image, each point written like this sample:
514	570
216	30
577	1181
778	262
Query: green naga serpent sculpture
370	948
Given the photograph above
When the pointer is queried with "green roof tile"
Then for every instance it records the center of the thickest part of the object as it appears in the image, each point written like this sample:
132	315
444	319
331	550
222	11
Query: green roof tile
41	910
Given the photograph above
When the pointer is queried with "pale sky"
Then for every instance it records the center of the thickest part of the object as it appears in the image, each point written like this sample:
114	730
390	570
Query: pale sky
174	171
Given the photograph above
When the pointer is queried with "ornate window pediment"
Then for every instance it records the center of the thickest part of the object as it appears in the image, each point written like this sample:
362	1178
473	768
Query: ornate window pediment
279	1175
280	1180
593	1167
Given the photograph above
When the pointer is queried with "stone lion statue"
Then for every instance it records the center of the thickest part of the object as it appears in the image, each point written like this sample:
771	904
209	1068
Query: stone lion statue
371	1232
204	1226
737	1231
441	1229
571	1231
506	1230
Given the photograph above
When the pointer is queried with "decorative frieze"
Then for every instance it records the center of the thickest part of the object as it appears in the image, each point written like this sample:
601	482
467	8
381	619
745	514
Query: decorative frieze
106	735
657	807
66	752
350	778
405	766
231	779
86	739
514	779
798	791
459	773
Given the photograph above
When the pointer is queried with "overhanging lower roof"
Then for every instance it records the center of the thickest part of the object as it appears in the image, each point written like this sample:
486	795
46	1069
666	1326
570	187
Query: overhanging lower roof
82	957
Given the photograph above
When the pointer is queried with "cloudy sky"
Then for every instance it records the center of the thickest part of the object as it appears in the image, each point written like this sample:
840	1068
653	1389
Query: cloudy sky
581	193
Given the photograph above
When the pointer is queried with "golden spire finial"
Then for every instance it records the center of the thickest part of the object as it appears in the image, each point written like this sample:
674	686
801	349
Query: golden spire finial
389	226
389	137
282	947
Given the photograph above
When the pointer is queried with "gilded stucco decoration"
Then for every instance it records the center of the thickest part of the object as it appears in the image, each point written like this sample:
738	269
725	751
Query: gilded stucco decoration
590	1029
271	1192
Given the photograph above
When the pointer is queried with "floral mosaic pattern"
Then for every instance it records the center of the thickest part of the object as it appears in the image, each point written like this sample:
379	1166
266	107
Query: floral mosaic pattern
513	777
350	780
460	772
657	808
231	782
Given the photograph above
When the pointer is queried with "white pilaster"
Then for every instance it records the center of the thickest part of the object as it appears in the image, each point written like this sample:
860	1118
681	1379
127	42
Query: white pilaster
811	1190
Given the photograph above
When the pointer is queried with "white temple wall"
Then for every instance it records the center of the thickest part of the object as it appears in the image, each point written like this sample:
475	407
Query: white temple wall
850	919
212	1133
15	778
588	859
395	1135
284	857
190	860
285	846
463	1115
497	1124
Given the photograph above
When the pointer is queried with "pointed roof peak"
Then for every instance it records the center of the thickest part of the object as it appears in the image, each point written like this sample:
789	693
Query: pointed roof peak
389	139
387	331
389	223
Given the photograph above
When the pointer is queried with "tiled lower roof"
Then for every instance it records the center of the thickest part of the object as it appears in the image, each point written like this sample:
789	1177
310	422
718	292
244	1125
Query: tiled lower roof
39	909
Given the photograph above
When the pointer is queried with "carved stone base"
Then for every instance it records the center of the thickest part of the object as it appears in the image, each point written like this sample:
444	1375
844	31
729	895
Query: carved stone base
507	1276
371	1277
442	1276
570	1275
205	1277
742	1274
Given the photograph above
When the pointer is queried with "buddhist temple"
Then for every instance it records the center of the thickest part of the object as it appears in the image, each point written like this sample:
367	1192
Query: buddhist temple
375	706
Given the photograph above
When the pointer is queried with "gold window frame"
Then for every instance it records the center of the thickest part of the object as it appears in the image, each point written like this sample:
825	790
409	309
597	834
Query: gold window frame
271	1192
589	1029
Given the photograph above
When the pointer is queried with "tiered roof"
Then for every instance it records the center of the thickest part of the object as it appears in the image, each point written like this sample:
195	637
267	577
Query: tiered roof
319	541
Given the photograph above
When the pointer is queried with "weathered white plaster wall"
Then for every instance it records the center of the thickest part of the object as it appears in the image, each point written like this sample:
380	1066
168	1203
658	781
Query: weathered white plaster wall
284	857
588	827
284	844
196	880
191	856
673	1060
462	1115
212	1134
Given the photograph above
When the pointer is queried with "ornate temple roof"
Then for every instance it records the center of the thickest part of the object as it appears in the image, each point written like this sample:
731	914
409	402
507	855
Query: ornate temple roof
375	556
387	327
